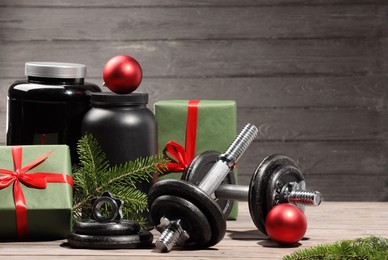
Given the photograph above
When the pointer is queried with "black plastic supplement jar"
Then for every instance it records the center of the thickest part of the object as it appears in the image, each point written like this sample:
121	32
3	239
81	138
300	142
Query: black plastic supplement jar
48	107
123	126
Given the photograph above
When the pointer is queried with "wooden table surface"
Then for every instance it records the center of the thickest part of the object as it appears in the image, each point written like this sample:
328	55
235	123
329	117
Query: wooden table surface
330	222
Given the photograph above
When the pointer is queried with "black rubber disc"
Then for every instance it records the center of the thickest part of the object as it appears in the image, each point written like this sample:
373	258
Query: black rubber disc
263	185
197	171
92	227
196	196
193	220
141	240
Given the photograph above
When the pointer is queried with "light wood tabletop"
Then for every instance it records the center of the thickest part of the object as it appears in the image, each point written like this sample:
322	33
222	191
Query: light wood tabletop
327	223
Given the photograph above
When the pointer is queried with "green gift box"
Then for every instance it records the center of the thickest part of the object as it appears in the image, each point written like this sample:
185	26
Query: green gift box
45	184
214	123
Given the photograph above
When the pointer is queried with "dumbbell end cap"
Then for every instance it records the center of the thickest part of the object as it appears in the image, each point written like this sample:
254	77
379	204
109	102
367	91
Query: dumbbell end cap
317	198
161	247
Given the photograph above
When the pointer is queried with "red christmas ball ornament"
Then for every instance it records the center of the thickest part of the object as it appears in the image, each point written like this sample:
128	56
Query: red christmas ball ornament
286	224
122	74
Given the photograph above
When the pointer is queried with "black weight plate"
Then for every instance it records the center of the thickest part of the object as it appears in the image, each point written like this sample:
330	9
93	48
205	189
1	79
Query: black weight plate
199	198
258	188
192	219
141	240
197	171
93	227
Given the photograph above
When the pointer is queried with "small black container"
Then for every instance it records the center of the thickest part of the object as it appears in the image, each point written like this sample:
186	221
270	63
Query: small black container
123	126
48	107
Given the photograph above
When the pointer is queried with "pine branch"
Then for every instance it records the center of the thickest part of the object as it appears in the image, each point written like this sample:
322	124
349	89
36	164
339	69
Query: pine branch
94	175
135	200
362	248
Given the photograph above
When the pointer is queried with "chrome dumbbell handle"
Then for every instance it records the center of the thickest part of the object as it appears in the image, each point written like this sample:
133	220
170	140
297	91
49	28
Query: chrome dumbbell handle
299	197
228	160
304	198
232	192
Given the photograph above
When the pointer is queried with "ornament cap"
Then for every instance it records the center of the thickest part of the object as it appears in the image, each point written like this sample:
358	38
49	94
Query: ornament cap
113	99
55	70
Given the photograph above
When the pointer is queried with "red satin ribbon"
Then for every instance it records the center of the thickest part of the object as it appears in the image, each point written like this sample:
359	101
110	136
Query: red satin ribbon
31	180
176	151
181	157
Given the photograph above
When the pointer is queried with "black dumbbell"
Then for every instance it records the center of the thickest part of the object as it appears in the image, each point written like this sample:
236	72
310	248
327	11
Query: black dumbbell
278	179
185	213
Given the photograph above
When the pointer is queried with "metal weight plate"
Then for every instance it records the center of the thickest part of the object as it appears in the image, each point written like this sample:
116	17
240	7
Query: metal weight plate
260	194
193	220
93	227
199	198
141	240
197	171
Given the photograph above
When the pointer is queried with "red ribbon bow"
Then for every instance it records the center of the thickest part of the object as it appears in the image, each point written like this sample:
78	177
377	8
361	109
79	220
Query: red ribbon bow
180	157
31	180
177	152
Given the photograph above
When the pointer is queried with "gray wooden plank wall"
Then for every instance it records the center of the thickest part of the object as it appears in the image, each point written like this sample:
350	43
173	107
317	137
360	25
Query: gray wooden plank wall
312	75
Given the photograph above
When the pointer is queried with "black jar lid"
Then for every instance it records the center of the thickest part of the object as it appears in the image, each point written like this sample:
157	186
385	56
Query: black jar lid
55	70
113	99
